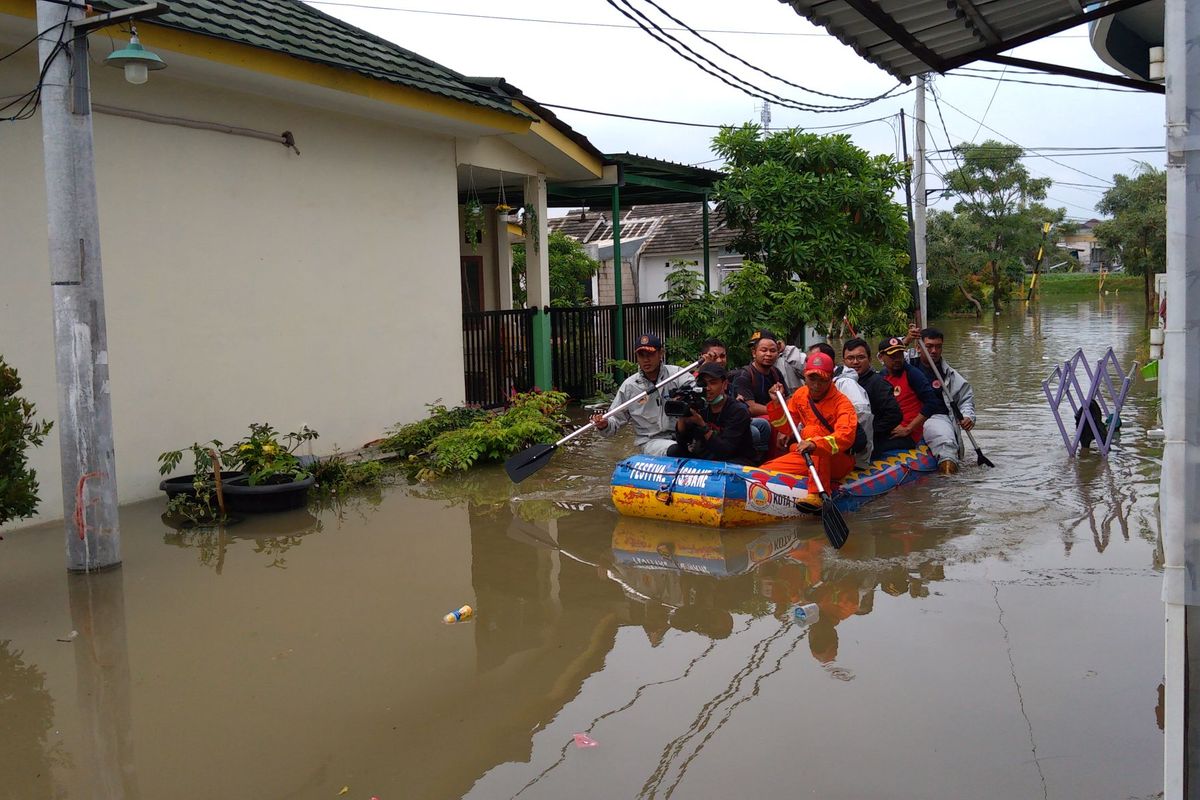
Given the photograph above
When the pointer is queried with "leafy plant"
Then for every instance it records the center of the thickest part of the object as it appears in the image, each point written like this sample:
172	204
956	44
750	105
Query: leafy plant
201	507
473	223
1138	228
19	431
529	224
336	475
571	270
408	440
267	458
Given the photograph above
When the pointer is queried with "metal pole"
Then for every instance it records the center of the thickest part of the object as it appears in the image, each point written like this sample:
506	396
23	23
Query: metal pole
619	314
707	267
85	431
912	230
920	200
1179	490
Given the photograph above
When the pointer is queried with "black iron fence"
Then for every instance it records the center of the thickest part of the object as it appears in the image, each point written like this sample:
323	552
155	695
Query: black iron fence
498	355
498	347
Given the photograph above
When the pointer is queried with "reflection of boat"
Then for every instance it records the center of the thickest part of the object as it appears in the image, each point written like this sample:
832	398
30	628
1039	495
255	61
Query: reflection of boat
718	495
693	550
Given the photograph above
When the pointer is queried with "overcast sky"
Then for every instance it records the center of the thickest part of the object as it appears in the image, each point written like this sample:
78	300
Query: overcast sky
621	69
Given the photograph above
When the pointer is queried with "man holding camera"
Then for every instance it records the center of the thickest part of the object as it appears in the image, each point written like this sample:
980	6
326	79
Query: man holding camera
717	426
652	429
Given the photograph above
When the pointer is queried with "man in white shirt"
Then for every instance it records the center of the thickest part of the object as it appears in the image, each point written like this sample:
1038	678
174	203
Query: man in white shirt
654	431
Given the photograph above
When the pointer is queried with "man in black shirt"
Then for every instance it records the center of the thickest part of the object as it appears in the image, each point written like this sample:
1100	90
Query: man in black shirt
756	384
856	355
719	432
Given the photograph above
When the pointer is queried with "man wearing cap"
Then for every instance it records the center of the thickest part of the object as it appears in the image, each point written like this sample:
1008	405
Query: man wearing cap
917	398
653	430
939	431
827	423
846	381
719	432
755	385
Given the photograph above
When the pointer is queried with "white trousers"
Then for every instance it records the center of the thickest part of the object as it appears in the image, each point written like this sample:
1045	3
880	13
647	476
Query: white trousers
658	446
939	435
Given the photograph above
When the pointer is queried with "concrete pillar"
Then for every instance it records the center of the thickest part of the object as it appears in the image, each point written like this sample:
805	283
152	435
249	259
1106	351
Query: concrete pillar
537	281
504	263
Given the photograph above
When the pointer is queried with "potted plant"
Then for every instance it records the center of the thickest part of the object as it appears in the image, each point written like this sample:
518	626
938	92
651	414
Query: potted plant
473	223
273	477
196	499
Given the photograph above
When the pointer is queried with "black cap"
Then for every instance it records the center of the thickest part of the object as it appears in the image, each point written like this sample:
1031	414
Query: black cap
713	370
762	333
648	341
892	344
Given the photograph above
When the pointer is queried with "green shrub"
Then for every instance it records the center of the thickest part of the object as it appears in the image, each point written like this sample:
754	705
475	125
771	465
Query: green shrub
19	431
409	440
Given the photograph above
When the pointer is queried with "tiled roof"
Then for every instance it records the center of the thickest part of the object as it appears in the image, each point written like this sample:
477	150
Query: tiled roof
679	228
295	29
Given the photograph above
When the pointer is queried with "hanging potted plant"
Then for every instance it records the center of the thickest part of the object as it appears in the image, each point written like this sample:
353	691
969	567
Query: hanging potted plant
529	225
502	206
473	223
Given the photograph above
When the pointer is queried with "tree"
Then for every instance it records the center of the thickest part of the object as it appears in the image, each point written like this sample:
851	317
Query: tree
1138	228
954	260
570	269
19	430
819	210
997	197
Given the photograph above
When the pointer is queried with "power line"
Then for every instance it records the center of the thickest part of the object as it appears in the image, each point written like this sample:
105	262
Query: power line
685	52
1047	83
578	23
635	118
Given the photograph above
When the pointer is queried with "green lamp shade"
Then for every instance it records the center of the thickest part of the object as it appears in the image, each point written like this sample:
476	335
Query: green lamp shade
135	60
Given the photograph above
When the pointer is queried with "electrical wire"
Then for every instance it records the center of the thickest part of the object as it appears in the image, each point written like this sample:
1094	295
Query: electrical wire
31	100
579	23
957	74
995	91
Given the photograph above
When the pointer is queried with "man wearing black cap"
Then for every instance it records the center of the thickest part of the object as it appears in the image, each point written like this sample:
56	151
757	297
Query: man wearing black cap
917	398
721	430
653	430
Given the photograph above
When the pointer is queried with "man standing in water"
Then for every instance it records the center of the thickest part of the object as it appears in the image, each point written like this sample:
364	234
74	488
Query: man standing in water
654	431
939	431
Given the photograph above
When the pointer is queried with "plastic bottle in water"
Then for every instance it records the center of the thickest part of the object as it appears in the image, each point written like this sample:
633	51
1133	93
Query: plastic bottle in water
807	613
458	615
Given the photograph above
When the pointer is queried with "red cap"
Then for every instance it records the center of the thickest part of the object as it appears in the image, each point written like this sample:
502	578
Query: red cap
819	362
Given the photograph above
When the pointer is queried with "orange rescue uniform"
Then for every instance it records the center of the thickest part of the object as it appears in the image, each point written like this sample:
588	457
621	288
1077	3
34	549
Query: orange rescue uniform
831	455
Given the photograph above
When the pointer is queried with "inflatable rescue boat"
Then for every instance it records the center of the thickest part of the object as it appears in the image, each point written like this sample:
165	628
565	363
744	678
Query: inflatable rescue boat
722	495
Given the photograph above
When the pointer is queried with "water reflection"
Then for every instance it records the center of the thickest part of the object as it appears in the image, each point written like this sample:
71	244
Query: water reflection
27	757
273	535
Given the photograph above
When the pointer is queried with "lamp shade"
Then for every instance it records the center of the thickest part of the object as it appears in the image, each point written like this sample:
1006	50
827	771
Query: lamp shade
135	60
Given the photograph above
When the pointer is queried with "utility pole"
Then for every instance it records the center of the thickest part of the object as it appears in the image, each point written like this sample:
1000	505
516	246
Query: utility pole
912	229
764	116
921	199
85	430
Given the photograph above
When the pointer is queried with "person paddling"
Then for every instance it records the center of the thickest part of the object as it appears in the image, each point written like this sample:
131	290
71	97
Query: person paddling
939	431
654	431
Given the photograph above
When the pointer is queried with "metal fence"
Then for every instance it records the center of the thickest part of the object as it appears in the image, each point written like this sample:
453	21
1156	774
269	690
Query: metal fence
498	355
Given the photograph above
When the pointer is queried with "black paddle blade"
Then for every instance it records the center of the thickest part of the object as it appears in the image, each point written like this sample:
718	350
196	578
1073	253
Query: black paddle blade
983	460
835	526
528	461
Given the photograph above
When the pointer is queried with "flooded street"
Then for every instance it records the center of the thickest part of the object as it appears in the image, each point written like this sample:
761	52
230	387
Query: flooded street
996	634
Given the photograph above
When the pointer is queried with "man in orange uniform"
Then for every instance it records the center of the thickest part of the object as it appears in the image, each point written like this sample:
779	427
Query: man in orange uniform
827	423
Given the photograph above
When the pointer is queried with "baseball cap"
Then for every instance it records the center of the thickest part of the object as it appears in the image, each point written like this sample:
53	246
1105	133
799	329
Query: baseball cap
713	370
891	345
762	333
819	363
648	341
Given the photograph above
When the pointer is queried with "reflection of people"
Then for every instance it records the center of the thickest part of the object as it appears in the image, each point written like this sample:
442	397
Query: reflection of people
721	430
653	431
715	623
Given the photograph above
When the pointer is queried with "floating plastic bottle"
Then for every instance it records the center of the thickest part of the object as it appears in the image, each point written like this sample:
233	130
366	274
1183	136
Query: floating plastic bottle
807	614
459	615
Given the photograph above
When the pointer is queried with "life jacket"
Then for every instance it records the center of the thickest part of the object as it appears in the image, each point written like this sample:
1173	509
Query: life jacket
906	396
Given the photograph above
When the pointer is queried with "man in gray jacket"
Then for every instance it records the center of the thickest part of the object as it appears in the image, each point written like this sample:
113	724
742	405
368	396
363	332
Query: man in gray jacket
653	430
943	440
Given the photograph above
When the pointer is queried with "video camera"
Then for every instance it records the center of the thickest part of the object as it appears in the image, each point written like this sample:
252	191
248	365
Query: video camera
682	400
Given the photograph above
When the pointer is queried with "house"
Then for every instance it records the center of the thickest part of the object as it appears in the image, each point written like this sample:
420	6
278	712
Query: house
280	224
653	238
1083	244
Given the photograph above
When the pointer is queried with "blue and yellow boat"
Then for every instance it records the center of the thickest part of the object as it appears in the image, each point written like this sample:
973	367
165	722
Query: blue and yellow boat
721	495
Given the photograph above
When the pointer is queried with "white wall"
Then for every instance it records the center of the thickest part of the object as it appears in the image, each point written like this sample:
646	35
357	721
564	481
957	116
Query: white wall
244	283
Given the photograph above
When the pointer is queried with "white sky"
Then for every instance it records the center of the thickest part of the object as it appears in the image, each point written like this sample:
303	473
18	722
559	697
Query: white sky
623	70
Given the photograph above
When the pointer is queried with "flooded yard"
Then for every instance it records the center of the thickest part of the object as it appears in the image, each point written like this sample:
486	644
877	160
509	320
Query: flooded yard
995	634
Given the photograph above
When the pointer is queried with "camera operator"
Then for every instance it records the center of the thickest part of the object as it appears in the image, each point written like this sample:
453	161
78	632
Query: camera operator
720	430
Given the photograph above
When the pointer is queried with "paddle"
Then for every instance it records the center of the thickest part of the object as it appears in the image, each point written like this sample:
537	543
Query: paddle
835	526
983	460
531	459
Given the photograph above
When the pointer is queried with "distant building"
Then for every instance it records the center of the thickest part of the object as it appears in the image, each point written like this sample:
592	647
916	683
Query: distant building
652	237
1083	244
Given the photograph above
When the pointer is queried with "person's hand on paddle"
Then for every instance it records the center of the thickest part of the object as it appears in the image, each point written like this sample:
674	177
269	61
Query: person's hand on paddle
966	423
803	446
902	430
914	332
600	421
776	391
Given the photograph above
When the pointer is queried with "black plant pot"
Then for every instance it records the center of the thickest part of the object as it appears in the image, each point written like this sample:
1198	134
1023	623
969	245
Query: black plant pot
265	497
182	484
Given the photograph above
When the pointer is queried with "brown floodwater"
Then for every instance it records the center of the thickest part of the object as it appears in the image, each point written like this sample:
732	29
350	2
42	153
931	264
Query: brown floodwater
997	634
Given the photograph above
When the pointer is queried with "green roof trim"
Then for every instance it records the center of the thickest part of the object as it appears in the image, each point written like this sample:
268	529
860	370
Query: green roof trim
294	29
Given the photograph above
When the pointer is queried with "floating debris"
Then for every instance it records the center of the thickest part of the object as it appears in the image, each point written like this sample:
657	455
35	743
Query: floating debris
459	615
583	740
70	637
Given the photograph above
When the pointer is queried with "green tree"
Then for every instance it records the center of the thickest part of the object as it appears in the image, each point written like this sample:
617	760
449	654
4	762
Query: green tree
570	269
19	430
1138	228
954	260
998	197
819	210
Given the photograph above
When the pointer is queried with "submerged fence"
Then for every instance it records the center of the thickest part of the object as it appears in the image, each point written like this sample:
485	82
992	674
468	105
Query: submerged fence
499	353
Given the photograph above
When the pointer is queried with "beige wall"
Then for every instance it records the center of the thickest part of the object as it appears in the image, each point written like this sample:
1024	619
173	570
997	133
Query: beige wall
244	283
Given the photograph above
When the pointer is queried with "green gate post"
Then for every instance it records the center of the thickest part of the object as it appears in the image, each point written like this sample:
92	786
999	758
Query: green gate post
543	373
619	316
704	217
